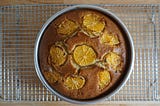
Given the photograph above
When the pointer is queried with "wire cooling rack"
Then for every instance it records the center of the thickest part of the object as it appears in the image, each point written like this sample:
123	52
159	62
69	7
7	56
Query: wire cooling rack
20	24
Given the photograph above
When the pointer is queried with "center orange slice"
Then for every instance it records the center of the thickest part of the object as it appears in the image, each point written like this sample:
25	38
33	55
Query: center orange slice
84	55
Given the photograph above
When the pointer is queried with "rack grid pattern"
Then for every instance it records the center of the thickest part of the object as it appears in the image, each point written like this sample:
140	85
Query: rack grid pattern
20	24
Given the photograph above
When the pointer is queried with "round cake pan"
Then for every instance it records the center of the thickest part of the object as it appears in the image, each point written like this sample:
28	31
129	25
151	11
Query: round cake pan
130	51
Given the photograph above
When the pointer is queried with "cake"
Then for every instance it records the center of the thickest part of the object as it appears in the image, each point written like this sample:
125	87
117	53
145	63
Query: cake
82	54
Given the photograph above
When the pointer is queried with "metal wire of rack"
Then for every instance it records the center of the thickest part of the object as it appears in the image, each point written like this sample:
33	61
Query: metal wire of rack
20	24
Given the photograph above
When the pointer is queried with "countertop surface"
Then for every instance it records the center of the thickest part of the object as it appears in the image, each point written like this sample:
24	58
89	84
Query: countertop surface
15	2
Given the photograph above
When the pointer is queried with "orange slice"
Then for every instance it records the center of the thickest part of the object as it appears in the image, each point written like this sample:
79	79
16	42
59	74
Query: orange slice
74	82
57	55
67	27
109	39
94	24
113	60
104	79
84	55
52	77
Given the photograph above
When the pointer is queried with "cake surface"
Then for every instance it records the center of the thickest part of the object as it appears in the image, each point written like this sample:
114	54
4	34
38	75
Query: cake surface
82	54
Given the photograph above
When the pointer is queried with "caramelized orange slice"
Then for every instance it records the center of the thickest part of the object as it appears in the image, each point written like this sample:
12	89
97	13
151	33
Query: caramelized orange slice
74	82
52	77
113	60
93	24
57	55
67	27
109	39
84	55
104	79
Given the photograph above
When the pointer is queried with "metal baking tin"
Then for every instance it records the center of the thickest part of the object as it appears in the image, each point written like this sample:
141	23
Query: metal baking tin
127	37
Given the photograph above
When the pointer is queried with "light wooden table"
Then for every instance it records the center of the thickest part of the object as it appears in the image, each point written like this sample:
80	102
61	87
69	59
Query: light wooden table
15	2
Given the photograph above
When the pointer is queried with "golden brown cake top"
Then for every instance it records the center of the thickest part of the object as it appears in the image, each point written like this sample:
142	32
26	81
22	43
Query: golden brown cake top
82	54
